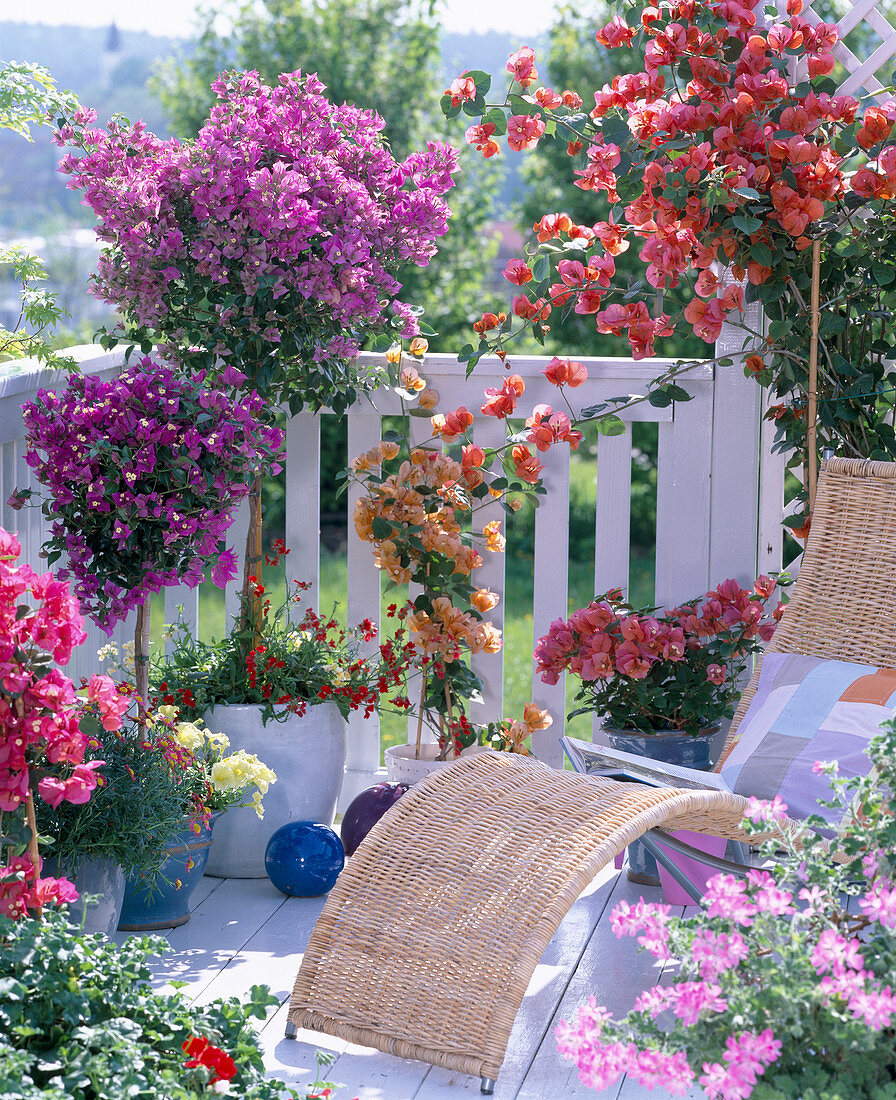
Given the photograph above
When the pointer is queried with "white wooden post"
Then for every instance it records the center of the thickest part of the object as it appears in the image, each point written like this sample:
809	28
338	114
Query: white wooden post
683	499
362	767
550	591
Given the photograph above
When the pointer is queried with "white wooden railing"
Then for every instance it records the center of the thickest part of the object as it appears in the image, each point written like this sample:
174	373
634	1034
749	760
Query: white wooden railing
708	502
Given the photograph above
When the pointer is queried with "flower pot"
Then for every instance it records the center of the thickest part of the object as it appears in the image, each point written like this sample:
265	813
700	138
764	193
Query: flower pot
699	873
164	902
307	754
402	765
99	877
672	747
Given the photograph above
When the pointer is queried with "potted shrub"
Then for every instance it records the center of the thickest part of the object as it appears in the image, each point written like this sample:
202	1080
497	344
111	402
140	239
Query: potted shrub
661	681
209	781
121	830
418	509
142	475
729	147
280	689
41	715
270	243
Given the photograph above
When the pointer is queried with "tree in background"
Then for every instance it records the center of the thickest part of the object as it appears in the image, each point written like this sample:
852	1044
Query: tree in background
377	54
29	97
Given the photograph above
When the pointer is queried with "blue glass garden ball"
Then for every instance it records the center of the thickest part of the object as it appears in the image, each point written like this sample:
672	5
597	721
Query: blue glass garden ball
303	859
366	810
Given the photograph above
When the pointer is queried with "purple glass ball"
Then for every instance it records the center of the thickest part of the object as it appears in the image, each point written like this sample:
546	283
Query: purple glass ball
366	810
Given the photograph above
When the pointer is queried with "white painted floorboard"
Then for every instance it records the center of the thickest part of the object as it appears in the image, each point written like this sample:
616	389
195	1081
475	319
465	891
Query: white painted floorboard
244	932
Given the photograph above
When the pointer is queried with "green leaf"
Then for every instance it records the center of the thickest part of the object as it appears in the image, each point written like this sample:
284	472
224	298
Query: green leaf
381	528
474	107
762	254
745	223
611	425
883	273
747	193
541	268
616	132
481	79
449	110
520	106
498	119
677	393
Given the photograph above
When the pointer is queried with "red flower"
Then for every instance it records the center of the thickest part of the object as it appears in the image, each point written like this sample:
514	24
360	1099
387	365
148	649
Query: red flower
202	1053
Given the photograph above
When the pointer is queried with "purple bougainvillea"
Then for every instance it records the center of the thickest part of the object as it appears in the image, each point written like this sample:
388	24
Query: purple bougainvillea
271	242
142	475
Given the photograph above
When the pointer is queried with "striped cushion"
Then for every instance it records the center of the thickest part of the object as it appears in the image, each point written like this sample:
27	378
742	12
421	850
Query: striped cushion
807	709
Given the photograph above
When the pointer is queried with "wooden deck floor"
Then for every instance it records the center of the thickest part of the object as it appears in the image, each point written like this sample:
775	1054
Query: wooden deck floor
244	932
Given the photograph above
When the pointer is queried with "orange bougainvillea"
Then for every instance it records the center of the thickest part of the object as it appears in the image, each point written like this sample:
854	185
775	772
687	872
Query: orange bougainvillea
417	508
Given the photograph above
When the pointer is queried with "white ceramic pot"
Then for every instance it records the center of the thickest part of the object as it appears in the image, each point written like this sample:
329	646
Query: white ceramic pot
306	753
97	878
402	765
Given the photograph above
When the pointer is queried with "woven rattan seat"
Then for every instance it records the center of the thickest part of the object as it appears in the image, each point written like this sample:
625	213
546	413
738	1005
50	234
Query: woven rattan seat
427	943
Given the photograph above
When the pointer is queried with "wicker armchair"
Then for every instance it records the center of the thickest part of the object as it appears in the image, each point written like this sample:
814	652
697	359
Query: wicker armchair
426	945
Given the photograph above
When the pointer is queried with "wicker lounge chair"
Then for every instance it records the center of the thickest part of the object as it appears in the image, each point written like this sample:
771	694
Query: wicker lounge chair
426	945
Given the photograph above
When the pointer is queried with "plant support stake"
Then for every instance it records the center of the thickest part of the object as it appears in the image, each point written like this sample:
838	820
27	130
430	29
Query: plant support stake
811	412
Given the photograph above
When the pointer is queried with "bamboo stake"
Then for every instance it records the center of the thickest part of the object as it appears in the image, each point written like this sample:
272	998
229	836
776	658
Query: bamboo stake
812	410
420	714
451	743
250	613
31	818
141	662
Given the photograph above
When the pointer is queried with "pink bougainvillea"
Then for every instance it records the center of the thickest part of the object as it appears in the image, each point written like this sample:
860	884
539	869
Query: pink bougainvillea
39	713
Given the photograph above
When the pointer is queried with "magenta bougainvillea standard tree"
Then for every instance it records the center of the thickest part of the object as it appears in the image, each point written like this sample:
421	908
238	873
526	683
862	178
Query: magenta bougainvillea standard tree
269	244
731	150
142	475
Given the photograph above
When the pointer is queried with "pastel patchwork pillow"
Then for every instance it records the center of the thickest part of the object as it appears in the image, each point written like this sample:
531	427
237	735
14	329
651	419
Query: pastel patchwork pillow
807	709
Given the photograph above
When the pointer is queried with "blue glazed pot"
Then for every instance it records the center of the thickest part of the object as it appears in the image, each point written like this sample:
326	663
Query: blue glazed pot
671	747
165	902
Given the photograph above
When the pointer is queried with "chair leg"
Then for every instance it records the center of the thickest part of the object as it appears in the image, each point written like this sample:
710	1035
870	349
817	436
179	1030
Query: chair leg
487	1086
291	1030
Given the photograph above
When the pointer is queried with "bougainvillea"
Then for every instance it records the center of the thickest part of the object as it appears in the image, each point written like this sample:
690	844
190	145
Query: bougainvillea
270	242
681	669
142	475
730	147
418	509
39	714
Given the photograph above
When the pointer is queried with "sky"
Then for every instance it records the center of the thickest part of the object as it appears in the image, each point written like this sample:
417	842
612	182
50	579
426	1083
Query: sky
173	17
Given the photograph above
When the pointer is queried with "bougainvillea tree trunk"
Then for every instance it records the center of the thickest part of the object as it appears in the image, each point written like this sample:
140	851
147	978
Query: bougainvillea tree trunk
141	659
250	601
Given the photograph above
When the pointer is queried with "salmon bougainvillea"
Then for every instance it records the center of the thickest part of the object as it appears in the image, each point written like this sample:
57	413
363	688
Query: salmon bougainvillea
730	149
